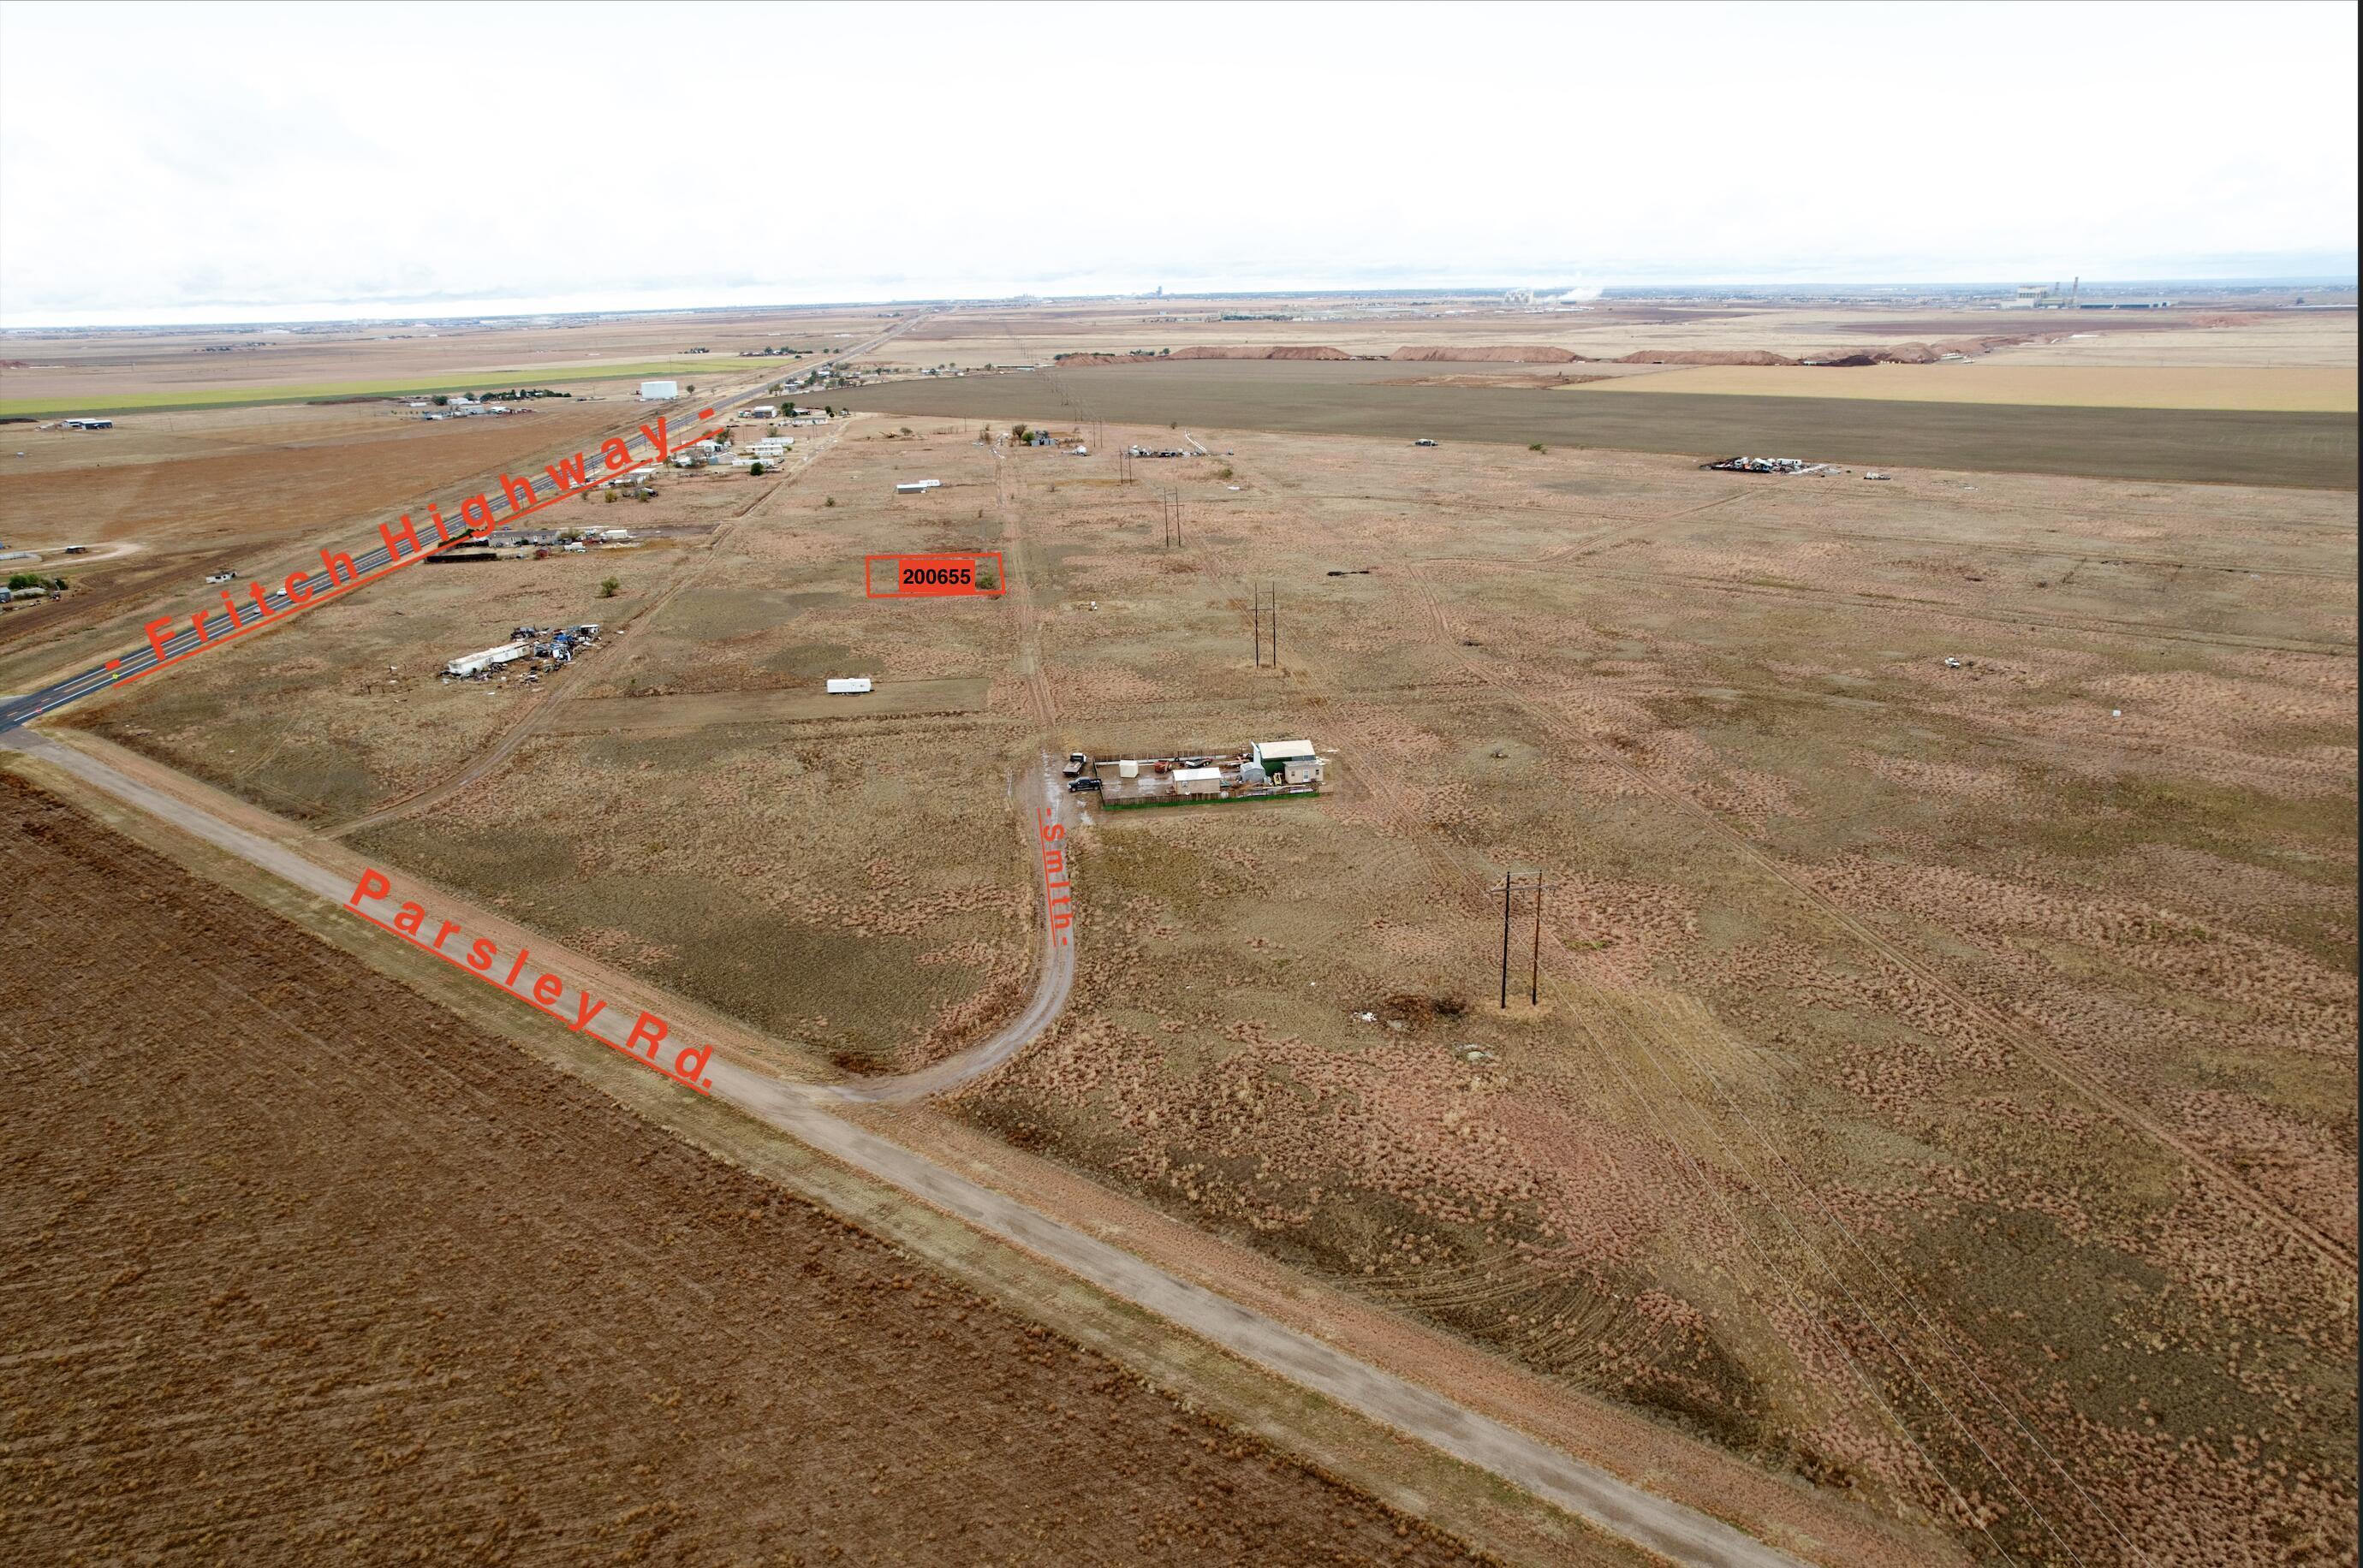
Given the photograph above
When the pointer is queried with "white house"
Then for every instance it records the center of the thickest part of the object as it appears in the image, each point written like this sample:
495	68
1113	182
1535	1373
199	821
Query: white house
1295	761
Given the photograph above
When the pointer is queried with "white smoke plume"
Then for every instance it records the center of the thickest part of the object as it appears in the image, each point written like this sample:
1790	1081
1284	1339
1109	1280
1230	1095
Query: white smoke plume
1582	293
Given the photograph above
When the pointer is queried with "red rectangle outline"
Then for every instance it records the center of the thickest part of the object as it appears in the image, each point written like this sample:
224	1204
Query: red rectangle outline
1000	575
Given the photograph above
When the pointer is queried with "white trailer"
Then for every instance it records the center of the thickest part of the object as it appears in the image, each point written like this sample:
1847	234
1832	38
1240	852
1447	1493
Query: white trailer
847	685
918	487
660	392
490	659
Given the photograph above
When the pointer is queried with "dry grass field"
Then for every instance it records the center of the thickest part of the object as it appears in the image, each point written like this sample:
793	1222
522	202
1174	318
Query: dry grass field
304	1268
2321	389
1941	1070
1942	1090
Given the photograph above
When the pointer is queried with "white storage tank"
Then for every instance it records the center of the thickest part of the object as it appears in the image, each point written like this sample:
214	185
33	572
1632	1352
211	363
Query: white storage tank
1127	770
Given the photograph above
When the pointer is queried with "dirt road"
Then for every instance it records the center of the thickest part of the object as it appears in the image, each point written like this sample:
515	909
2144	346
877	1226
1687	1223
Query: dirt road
1672	1531
1049	999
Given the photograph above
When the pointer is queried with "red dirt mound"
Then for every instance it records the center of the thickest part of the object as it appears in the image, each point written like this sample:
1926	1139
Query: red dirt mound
1495	354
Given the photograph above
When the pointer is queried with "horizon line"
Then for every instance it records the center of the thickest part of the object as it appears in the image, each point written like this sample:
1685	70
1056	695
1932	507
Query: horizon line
506	311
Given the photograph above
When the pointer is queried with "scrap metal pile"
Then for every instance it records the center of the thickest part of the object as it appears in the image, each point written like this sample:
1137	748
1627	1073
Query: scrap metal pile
1768	466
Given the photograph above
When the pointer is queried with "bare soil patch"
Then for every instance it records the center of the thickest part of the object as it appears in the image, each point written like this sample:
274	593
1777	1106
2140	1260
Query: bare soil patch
2307	450
2285	390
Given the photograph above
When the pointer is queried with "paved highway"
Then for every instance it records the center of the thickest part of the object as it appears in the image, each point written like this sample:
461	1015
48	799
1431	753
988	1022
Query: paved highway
220	624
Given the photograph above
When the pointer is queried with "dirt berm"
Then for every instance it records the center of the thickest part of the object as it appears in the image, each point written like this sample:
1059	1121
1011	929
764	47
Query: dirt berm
1239	351
1495	354
1704	356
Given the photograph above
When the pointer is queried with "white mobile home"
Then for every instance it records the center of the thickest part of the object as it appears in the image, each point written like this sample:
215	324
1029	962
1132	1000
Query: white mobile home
918	487
851	685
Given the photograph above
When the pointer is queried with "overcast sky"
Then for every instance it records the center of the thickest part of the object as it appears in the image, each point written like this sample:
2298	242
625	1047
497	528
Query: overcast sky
197	162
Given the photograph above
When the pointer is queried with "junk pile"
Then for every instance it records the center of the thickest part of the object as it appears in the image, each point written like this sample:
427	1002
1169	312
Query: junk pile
1769	466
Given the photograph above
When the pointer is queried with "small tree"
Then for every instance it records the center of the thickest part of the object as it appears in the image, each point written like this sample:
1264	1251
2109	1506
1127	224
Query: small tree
609	589
1536	446
24	579
756	472
440	401
610	497
831	501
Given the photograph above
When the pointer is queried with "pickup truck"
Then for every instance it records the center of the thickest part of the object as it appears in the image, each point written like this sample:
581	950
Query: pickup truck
1076	763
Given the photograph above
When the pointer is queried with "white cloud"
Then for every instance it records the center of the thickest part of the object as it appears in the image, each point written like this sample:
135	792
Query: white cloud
195	161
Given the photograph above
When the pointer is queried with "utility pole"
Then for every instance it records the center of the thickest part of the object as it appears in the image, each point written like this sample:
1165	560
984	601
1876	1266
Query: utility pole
1505	942
1534	975
1523	882
1258	628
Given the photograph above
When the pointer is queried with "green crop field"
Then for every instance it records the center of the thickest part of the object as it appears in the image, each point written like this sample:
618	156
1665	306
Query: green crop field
247	397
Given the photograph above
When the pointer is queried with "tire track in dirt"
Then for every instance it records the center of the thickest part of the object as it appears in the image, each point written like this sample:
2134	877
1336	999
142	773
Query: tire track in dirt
2324	1245
1702	1120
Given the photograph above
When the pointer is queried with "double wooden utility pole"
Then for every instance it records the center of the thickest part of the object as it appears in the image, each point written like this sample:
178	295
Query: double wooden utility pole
1261	622
1523	882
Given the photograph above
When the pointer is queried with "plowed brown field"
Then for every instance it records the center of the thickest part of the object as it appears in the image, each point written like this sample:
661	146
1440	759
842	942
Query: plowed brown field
304	1268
